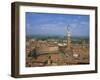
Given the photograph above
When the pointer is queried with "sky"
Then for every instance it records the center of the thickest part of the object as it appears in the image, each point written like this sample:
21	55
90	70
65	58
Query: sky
51	24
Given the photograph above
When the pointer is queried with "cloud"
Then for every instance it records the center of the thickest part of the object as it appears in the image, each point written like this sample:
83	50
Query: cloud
55	24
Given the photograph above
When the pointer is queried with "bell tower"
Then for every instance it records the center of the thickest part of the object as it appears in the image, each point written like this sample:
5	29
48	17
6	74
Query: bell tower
68	38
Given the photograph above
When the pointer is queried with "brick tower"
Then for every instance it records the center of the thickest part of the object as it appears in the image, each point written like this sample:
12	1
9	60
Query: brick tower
68	38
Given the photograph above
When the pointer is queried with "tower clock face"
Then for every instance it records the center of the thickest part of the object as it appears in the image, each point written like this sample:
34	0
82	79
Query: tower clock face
69	34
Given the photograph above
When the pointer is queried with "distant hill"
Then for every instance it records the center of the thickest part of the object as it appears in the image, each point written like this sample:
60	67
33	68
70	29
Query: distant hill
75	39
